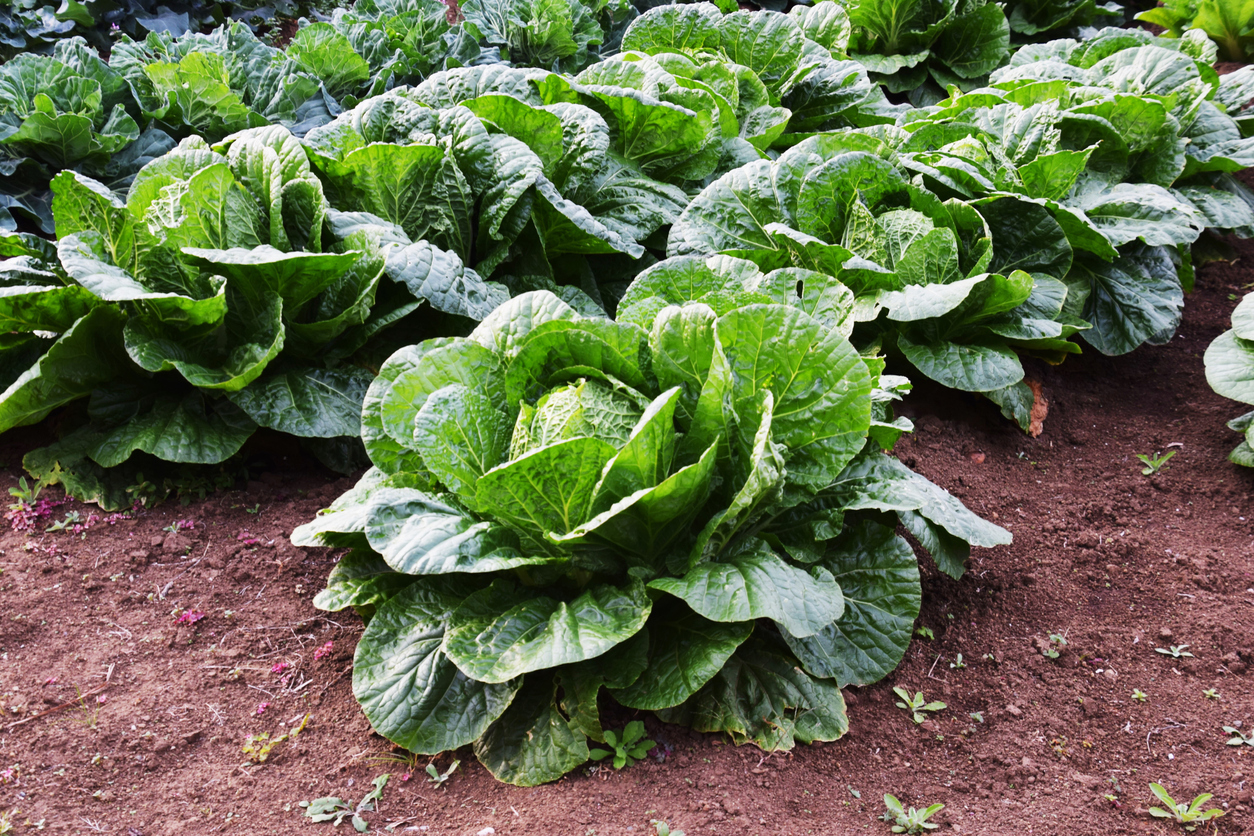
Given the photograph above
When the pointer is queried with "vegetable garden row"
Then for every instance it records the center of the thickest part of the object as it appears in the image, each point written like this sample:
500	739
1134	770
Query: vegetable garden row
612	304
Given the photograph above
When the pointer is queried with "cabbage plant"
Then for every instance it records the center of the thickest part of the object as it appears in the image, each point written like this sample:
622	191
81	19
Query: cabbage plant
222	295
1230	372
907	44
680	509
211	85
1226	22
1129	141
957	288
68	110
771	75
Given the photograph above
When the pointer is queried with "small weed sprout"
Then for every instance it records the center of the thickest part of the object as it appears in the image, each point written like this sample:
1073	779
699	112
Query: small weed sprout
435	776
1239	738
24	493
335	810
88	711
1177	651
1113	796
661	828
71	517
909	820
6	818
958	664
259	746
1211	693
1153	464
627	747
1139	695
1189	815
924	633
916	705
1057	642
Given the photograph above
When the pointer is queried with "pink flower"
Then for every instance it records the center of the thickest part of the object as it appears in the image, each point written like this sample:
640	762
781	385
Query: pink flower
405	777
261	707
102	699
190	617
323	651
279	667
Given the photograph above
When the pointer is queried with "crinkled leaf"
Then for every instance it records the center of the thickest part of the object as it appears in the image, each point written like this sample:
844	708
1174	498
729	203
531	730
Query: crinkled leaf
532	743
879	577
503	631
409	690
758	584
685	652
309	402
762	696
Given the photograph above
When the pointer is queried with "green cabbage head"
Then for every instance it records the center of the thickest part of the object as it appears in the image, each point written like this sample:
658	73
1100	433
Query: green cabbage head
681	513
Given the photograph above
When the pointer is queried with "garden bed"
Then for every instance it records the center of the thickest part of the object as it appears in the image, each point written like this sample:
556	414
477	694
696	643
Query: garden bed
1115	562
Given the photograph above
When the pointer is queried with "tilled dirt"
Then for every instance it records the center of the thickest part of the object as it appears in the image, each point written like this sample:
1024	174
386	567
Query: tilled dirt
1116	563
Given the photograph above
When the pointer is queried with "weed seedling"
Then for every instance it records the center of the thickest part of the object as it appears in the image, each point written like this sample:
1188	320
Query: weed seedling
6	817
915	705
25	494
437	777
142	492
71	517
911	820
259	746
626	746
958	664
1153	464
1113	797
661	828
335	810
1190	815
1057	642
1239	739
924	633
1211	693
1139	695
1177	651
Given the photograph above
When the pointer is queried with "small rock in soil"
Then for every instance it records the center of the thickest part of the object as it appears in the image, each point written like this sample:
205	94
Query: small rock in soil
1165	634
1014	711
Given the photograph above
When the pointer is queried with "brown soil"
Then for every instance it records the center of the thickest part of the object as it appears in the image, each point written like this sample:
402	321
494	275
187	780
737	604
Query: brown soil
1116	562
